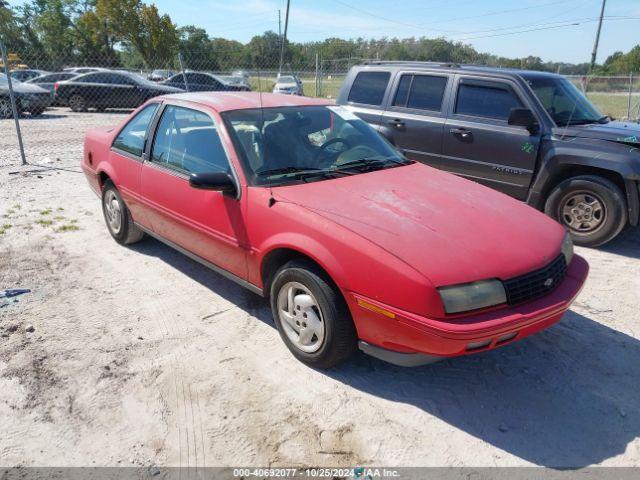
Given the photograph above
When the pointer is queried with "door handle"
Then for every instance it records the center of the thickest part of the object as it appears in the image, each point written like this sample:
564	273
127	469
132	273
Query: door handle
397	123
461	132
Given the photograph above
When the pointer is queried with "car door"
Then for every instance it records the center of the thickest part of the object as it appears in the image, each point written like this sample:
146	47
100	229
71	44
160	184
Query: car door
480	144
97	90
415	118
208	224
126	93
126	157
367	94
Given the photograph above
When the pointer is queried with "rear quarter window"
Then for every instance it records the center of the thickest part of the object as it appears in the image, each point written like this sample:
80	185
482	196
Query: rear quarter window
368	88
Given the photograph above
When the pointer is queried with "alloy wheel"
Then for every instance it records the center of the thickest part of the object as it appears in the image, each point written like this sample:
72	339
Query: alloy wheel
113	211
301	317
583	212
77	103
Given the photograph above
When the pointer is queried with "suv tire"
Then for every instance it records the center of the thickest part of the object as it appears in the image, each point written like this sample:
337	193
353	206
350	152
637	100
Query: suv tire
311	315
118	218
591	207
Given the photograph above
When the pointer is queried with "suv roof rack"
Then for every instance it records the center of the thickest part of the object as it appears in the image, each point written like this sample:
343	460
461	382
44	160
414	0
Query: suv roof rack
411	62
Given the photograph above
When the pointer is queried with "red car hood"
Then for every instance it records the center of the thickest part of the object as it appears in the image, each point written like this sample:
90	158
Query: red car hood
450	229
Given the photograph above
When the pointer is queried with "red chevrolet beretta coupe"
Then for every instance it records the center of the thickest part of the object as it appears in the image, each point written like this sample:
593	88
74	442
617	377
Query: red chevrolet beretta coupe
300	201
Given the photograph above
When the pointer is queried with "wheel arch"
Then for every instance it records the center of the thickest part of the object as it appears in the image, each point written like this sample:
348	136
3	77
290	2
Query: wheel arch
279	255
561	168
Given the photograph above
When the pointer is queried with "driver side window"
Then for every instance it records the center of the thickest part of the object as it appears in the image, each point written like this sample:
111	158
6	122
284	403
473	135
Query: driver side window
187	141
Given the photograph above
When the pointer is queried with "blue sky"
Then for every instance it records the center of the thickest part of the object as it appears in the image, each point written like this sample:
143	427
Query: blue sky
486	24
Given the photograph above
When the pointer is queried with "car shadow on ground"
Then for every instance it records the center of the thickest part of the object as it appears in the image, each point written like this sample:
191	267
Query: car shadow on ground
626	244
568	397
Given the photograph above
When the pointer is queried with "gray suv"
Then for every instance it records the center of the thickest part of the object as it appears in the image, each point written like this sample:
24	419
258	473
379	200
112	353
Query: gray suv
531	135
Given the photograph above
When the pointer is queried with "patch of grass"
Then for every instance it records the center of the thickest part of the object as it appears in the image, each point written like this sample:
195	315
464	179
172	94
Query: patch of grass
59	217
17	206
44	222
614	104
4	228
67	228
60	209
46	211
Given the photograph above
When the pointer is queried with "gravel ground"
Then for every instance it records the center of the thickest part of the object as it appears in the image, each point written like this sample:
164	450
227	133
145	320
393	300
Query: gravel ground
139	356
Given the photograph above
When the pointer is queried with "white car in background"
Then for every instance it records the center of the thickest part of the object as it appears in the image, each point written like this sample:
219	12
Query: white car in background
288	85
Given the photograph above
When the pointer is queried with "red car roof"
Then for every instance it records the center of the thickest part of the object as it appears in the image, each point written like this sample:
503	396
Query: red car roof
225	101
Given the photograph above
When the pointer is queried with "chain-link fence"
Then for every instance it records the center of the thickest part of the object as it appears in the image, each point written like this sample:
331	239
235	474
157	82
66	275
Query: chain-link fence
58	97
616	96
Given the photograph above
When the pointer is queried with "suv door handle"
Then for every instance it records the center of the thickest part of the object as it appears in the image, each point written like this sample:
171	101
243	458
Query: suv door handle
397	123
462	132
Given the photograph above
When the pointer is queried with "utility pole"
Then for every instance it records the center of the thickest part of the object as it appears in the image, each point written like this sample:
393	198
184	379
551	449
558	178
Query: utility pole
595	45
284	37
279	26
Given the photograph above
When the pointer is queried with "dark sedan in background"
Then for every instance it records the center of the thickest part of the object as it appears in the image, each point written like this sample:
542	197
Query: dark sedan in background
29	98
108	89
204	82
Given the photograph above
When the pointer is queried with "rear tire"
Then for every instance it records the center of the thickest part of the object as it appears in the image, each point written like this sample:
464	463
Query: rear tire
77	103
311	315
118	218
36	112
592	208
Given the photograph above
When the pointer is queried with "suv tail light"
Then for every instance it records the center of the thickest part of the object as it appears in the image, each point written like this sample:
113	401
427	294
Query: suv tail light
55	86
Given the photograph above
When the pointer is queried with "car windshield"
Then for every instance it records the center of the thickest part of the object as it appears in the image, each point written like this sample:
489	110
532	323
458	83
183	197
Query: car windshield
286	79
564	102
307	143
5	82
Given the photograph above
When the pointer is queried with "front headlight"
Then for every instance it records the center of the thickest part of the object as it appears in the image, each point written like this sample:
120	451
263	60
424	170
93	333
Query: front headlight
472	296
567	248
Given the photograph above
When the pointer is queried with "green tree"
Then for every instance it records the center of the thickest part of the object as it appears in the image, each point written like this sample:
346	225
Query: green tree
154	37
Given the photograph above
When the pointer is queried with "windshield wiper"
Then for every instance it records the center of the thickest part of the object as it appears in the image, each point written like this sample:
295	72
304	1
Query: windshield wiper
604	119
371	162
301	171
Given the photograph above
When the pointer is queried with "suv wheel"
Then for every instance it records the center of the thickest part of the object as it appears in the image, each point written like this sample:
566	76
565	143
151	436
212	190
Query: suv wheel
118	218
77	103
311	316
592	208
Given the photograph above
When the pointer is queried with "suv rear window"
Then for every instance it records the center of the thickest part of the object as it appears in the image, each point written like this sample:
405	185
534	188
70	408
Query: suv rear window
493	101
369	88
422	92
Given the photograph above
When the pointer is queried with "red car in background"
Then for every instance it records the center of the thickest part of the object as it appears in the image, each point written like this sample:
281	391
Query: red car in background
302	202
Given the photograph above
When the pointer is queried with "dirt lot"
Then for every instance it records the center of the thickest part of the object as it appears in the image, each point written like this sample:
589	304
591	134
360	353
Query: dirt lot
139	356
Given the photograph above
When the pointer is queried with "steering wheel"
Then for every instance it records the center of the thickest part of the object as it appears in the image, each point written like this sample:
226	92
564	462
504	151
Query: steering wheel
322	148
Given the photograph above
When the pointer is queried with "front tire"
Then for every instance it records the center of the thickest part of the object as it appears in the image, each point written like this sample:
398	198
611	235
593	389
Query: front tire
311	316
118	218
592	208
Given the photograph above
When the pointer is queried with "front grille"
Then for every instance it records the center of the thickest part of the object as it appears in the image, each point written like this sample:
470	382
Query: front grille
535	284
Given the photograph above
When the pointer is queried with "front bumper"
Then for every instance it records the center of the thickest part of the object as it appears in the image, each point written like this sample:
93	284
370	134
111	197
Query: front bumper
407	339
38	101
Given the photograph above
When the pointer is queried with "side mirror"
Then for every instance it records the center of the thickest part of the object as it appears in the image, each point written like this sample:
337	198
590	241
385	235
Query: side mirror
218	181
523	117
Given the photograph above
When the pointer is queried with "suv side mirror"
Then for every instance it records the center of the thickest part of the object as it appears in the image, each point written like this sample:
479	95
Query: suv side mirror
523	117
218	181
